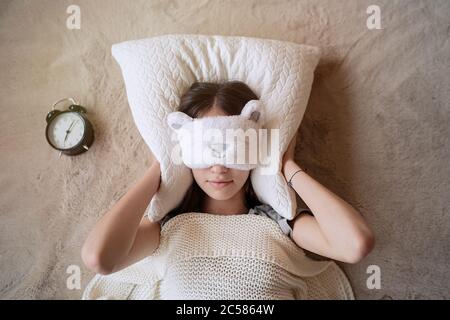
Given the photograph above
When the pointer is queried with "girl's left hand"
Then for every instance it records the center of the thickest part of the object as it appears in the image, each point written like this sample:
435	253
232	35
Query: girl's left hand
290	152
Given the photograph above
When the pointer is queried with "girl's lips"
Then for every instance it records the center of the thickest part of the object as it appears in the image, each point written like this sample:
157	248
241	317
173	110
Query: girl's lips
219	185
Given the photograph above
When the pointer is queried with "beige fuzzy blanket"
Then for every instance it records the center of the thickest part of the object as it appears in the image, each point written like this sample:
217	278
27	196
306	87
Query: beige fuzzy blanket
376	131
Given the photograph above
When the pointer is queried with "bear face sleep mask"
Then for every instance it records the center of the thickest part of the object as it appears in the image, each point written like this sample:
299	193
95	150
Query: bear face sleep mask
231	141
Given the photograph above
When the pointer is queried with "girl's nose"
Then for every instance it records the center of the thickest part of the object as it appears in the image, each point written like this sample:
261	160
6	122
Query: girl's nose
218	168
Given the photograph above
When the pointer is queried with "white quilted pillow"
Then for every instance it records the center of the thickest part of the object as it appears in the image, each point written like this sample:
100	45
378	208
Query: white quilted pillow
158	70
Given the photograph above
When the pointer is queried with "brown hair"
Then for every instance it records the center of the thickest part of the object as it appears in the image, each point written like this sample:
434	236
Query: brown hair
229	96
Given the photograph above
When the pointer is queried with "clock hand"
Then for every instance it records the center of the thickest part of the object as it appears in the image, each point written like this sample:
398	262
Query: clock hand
68	131
72	124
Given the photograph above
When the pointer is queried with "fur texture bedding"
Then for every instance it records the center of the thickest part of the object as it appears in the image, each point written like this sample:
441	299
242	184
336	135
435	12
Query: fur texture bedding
376	130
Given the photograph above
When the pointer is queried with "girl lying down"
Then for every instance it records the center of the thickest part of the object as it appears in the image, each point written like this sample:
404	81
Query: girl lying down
221	242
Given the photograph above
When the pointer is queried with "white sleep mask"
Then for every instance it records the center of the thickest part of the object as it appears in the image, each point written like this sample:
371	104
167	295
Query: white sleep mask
231	141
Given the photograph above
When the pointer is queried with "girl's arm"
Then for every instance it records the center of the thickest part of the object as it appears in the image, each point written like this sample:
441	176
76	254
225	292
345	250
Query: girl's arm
122	236
337	230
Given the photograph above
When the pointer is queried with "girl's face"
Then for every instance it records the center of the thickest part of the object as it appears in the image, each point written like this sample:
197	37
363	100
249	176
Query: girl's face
219	182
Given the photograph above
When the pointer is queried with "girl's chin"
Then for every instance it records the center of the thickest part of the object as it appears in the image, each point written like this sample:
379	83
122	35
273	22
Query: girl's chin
219	194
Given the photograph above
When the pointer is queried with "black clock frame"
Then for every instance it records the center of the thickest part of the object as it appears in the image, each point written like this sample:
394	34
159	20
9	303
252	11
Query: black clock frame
88	135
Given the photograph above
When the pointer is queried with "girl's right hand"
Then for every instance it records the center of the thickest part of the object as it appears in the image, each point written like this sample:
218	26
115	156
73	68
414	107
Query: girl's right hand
289	153
155	166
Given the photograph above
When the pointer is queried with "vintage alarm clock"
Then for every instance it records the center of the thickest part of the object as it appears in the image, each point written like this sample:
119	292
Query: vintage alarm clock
69	131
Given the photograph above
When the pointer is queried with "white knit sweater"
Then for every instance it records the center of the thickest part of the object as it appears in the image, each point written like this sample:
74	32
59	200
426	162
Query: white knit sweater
206	256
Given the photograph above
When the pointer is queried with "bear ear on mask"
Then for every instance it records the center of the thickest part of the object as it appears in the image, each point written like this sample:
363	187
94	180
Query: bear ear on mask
177	119
254	110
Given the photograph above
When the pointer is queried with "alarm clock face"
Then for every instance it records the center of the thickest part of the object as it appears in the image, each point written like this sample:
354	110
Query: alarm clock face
66	130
